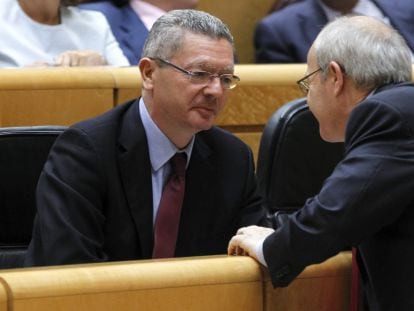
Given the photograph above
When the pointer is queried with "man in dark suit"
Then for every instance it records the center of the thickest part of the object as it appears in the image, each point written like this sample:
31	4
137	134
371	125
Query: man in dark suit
360	94
285	36
130	20
100	190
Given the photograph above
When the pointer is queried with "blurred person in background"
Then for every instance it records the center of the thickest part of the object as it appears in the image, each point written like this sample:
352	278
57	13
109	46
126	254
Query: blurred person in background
55	33
286	35
130	20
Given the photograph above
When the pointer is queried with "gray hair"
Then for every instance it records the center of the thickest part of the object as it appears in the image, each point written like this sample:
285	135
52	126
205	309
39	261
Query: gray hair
166	35
370	52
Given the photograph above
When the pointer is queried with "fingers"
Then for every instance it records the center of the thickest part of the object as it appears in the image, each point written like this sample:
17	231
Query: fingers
63	60
255	231
234	248
247	240
80	58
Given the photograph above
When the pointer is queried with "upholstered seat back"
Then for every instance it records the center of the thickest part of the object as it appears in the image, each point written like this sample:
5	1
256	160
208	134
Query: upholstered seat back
23	151
293	160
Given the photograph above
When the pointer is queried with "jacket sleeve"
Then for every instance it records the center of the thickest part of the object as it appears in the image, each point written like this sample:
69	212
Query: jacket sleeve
367	191
69	224
270	46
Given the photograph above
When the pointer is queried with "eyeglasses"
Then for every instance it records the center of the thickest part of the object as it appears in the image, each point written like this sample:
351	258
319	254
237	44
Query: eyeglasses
304	82
227	80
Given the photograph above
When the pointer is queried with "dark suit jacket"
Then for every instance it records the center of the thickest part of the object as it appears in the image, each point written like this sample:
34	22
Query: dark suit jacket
126	26
367	202
285	36
94	196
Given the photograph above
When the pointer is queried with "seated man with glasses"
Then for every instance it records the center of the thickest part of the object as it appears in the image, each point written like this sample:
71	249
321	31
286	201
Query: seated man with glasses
152	178
360	91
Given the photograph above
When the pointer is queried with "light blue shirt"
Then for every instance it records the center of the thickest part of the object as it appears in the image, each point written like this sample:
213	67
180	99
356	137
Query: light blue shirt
362	7
161	150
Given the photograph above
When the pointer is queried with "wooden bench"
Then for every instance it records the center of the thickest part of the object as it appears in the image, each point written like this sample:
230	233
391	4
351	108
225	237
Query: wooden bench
63	96
197	284
54	96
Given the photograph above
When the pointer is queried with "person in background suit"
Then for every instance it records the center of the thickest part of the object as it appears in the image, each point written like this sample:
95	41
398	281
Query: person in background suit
100	189
285	36
130	20
358	89
55	33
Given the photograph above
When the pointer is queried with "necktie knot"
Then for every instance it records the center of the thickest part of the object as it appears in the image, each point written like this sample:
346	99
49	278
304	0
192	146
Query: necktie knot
178	163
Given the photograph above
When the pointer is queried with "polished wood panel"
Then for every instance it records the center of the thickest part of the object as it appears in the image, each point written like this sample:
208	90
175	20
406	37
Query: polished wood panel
3	297
128	84
241	17
195	283
320	287
54	96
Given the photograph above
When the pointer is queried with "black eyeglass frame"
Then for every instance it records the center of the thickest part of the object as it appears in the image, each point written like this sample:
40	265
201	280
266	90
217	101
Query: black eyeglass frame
203	76
304	83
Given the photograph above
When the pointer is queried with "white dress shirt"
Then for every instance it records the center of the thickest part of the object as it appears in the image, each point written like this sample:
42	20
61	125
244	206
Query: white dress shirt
25	41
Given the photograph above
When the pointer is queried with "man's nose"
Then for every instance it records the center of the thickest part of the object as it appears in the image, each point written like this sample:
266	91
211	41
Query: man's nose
214	86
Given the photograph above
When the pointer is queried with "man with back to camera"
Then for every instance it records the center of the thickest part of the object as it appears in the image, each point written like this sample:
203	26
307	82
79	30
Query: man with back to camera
100	192
358	89
130	20
285	36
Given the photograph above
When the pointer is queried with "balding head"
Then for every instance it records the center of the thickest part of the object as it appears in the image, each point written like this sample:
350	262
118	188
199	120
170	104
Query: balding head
370	52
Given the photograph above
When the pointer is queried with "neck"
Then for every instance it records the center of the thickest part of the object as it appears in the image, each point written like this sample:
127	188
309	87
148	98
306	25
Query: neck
42	11
159	4
344	6
179	136
168	5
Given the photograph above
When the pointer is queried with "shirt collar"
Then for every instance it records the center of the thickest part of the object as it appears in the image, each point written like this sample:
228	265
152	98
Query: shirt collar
161	149
362	7
148	13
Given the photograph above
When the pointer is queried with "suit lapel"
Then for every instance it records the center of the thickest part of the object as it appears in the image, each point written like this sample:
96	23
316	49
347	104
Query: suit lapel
135	169
133	32
312	21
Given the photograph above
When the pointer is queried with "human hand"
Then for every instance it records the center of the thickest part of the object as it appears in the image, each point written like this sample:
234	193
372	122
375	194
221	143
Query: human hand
247	239
39	64
80	58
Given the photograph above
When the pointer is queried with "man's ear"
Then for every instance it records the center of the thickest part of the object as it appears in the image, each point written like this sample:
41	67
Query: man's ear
338	77
147	68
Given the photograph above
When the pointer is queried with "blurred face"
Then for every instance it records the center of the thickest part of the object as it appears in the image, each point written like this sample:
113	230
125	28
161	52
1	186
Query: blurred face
184	4
179	105
168	5
323	103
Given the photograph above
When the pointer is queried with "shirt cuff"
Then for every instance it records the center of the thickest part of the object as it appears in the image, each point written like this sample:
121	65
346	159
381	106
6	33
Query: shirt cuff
259	254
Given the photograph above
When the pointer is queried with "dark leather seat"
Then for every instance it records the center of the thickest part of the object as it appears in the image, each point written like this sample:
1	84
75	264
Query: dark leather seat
23	152
293	160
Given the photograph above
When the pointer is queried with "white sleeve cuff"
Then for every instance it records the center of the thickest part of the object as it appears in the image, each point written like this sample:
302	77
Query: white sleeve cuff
259	253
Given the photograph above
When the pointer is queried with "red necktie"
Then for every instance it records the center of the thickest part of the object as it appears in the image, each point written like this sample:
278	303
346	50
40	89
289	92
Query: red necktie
169	210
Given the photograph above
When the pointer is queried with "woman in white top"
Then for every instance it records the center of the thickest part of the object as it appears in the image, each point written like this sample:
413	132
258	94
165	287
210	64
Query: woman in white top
50	32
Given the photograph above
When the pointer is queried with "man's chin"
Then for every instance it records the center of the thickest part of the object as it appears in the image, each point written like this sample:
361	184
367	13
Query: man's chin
203	122
202	125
